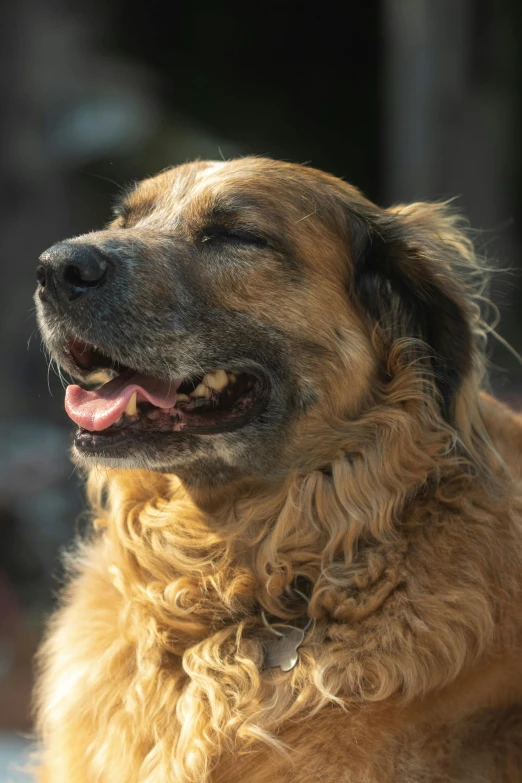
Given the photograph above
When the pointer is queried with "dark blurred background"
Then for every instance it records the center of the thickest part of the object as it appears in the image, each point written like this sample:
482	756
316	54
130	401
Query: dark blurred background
407	99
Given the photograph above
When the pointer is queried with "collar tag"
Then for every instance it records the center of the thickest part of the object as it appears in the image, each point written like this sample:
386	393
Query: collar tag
283	651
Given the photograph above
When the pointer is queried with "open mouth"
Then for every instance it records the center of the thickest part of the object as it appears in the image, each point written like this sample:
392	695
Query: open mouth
134	406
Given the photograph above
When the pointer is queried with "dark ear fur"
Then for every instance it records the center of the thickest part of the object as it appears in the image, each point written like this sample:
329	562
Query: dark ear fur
407	279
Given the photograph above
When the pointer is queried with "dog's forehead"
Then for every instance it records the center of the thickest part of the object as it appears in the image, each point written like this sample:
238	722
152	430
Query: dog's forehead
201	189
166	191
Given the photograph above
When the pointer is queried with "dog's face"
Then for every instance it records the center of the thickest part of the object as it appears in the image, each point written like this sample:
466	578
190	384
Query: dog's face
228	302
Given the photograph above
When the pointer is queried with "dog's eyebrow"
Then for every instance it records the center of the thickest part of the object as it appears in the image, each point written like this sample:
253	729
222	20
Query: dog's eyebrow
241	207
232	207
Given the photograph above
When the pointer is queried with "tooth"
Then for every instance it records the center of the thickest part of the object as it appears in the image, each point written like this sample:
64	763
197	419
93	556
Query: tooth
232	377
131	407
100	377
201	391
216	380
182	398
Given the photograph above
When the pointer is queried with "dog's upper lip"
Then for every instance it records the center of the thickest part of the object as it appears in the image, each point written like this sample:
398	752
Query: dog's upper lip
78	350
87	357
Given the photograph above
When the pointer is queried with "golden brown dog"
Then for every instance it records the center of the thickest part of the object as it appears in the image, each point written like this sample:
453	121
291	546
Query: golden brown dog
291	426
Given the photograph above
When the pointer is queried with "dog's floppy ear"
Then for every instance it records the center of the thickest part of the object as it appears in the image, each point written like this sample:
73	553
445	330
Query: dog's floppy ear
411	272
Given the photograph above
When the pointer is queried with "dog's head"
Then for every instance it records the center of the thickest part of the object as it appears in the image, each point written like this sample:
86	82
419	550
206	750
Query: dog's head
228	302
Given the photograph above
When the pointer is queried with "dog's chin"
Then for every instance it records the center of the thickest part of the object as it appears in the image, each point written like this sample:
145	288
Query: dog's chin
157	450
210	463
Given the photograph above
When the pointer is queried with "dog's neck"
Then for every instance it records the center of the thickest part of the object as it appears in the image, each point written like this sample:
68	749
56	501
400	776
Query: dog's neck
223	553
218	555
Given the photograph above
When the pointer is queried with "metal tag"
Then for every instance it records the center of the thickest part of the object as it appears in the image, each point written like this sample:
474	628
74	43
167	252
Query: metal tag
283	650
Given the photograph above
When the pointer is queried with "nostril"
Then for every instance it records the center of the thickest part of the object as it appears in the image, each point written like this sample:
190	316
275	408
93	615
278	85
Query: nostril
86	273
41	276
81	276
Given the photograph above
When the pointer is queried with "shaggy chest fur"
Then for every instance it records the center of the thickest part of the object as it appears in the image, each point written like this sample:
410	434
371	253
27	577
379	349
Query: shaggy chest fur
152	669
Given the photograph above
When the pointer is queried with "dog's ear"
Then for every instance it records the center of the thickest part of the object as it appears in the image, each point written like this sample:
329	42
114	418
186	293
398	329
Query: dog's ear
410	277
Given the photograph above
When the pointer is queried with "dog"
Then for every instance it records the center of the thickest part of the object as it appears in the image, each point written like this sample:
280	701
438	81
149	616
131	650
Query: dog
305	560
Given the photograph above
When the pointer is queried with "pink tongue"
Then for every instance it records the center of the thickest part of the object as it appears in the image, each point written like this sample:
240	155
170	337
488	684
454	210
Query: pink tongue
97	410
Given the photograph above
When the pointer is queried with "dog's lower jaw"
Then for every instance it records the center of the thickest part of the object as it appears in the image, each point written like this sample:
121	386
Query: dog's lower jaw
200	475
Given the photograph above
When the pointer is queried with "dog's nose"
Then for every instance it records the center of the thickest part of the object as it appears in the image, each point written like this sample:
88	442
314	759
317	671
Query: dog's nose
68	270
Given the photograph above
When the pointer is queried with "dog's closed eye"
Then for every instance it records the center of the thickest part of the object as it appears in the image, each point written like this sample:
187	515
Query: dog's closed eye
219	235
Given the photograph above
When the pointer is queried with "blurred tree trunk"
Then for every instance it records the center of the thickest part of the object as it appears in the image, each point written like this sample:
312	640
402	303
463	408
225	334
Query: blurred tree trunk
450	127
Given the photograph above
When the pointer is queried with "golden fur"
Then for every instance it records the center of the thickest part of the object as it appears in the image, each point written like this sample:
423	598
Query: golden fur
151	670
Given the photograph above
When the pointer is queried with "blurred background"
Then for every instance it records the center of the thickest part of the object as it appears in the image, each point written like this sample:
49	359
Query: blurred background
407	99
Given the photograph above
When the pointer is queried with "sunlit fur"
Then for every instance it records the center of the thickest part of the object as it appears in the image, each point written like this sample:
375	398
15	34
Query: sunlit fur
408	527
